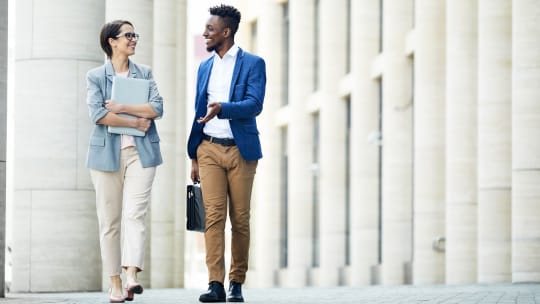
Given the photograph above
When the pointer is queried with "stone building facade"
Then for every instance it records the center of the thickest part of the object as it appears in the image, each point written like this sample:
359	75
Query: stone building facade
400	140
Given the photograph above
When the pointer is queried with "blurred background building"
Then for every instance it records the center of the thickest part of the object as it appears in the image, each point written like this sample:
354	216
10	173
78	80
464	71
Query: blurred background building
401	141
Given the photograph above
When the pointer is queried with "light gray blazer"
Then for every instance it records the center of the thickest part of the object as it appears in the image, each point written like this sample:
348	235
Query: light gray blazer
104	147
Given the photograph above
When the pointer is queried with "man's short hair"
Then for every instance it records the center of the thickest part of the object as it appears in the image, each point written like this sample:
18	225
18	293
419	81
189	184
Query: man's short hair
231	16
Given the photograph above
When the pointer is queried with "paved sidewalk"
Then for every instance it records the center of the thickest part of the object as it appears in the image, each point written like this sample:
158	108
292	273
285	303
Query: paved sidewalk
466	294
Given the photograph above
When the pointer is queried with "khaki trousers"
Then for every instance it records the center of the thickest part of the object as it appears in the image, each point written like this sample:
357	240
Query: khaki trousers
226	177
122	200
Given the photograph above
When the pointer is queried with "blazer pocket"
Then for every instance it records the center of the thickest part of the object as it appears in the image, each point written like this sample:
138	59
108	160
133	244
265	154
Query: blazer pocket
97	141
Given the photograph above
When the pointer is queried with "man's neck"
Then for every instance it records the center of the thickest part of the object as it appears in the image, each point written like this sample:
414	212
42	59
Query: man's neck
227	45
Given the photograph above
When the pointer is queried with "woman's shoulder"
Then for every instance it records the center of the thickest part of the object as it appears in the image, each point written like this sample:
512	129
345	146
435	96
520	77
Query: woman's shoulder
96	72
142	69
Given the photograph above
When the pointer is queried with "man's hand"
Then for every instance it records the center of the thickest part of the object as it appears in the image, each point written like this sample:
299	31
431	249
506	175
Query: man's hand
195	171
113	106
214	108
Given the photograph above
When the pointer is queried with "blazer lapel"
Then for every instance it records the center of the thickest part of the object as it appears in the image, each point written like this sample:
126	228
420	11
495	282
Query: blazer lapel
236	72
109	70
109	74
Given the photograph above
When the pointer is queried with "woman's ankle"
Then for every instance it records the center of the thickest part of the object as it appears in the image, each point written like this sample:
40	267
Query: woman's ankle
116	285
131	274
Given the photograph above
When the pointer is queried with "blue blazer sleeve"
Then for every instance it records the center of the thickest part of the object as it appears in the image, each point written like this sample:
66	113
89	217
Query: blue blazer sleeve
95	96
155	100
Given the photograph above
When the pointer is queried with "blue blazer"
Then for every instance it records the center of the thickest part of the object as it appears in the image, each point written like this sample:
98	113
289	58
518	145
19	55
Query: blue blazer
245	103
104	147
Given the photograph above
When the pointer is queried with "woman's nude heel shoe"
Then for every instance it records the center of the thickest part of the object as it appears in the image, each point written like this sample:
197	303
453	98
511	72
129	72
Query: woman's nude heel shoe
131	290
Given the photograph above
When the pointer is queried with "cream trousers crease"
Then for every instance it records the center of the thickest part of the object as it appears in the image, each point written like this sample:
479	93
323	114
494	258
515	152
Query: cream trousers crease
122	200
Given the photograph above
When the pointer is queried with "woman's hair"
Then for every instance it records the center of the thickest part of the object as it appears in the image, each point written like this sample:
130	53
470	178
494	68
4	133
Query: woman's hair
110	30
231	16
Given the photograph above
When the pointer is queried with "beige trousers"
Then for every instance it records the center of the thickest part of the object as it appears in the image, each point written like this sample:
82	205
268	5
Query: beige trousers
122	200
226	181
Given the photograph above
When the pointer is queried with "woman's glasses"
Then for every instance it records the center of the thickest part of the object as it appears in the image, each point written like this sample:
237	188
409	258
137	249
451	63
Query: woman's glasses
130	36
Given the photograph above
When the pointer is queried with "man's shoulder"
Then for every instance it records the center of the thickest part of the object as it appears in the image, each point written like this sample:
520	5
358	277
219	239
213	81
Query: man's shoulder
250	56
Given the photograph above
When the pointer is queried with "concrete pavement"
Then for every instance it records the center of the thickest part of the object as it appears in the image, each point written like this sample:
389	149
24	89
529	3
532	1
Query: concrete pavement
462	294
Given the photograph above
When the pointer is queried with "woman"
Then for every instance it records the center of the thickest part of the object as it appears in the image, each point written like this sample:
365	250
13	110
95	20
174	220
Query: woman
122	167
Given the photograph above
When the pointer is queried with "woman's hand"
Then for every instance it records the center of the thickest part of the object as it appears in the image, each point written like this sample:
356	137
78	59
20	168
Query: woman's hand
142	124
113	106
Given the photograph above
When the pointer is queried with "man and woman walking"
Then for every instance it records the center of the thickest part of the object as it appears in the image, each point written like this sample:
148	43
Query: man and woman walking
223	146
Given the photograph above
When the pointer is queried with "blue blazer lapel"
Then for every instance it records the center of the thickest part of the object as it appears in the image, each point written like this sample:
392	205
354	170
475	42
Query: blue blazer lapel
109	70
236	72
109	74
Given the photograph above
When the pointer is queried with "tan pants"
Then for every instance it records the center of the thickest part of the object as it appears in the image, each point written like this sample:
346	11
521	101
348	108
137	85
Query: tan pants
122	198
225	174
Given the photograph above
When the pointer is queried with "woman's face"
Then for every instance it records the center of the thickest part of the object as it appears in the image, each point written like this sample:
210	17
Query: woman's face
125	41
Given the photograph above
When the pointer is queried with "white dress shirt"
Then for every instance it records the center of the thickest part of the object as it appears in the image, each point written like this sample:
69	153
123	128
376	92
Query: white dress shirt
219	86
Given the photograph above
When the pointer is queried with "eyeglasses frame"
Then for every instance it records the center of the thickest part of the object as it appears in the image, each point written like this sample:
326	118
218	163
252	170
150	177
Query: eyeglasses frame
134	36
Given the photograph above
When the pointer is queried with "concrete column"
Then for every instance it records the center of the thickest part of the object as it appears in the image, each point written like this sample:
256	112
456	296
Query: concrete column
333	119
140	14
364	215
56	243
525	145
461	121
429	140
266	253
169	72
3	133
397	143
300	144
181	137
494	140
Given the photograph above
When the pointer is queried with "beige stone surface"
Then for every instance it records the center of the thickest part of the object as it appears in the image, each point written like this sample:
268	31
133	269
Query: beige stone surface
364	166
429	140
332	140
494	140
57	230
300	145
461	142
269	245
169	67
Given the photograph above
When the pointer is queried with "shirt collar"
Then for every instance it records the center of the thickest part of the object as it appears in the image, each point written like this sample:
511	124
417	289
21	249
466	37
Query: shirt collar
231	52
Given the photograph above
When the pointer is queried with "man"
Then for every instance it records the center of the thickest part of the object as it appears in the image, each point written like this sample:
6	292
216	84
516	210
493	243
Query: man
224	147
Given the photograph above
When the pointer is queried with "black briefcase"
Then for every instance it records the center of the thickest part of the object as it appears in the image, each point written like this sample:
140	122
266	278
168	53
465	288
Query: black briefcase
195	214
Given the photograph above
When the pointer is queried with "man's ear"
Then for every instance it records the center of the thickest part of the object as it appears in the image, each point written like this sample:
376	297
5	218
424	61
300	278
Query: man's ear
227	32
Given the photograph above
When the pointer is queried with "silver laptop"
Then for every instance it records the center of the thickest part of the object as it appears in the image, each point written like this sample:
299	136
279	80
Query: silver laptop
132	91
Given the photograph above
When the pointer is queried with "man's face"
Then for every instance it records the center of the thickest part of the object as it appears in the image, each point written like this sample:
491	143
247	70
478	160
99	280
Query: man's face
214	33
